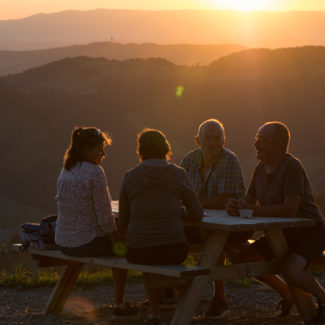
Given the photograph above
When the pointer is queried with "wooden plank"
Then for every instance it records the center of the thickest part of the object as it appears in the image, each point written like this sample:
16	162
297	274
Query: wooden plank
235	224
280	249
62	289
237	271
244	270
209	258
120	262
220	220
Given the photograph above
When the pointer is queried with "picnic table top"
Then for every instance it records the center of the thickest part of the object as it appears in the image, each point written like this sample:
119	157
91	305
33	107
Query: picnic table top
220	220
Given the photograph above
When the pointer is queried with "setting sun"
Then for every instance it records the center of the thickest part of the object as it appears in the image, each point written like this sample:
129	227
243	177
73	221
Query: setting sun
245	5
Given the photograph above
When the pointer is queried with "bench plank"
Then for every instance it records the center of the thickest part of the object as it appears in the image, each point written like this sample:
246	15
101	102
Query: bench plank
116	262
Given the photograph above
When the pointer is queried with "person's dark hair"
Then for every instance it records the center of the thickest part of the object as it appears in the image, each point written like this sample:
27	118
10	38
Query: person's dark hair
153	144
281	134
82	138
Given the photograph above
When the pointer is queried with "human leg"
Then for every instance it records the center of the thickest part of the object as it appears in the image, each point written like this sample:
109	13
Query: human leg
219	306
154	295
162	255
119	277
252	254
295	272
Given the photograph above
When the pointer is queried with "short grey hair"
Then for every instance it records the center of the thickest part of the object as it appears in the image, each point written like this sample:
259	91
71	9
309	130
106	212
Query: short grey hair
212	121
281	133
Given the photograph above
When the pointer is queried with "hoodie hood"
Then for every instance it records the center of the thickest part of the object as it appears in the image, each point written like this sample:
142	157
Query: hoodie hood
154	172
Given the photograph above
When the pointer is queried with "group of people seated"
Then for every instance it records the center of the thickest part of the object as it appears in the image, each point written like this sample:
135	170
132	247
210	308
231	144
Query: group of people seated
149	228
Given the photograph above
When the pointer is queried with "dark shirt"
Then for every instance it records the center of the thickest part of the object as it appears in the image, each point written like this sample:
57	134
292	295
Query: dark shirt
150	205
288	179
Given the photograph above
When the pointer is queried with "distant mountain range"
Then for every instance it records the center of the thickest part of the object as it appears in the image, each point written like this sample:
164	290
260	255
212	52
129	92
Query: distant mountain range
17	61
39	108
251	29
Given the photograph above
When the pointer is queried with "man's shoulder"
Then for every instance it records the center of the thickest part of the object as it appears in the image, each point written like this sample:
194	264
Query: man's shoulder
229	155
292	160
193	155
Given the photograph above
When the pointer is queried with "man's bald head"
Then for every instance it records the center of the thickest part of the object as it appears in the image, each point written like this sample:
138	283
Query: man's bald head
280	133
211	123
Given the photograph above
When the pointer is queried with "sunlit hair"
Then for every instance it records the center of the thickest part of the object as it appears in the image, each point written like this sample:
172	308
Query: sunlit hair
83	138
281	134
211	121
153	144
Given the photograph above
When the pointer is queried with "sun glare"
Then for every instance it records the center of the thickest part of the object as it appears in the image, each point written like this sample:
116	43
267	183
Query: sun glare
244	5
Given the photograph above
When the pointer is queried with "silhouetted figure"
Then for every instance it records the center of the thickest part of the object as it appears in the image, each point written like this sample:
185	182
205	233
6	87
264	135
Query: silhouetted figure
281	187
151	211
85	224
216	176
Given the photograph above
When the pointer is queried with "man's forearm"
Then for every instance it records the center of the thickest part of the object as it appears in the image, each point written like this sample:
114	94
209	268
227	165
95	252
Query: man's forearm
217	202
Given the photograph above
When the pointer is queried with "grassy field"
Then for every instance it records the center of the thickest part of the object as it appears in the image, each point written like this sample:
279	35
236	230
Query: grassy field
90	276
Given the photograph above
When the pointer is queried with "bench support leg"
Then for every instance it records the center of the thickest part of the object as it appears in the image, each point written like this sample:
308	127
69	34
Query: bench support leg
192	298
62	289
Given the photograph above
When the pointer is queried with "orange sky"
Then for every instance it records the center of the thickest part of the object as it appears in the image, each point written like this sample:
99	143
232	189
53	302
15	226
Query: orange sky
14	9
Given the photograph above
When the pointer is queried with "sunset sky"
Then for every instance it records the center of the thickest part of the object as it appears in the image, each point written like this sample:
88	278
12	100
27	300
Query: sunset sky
14	9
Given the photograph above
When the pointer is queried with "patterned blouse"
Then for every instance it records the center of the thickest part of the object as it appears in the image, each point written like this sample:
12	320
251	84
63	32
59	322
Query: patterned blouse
84	205
225	175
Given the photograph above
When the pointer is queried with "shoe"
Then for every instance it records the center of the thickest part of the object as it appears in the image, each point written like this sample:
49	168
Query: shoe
218	309
320	314
168	300
152	321
128	312
163	306
286	306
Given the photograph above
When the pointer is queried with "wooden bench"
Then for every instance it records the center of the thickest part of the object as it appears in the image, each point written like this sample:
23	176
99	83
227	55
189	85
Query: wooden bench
73	265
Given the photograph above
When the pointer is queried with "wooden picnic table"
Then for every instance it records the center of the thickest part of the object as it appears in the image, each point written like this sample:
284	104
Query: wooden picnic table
220	226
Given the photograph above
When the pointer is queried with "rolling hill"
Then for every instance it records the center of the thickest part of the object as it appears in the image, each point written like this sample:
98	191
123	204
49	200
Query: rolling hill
188	54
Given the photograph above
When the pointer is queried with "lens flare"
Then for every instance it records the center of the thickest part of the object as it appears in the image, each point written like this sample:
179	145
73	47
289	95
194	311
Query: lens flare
179	91
82	308
120	249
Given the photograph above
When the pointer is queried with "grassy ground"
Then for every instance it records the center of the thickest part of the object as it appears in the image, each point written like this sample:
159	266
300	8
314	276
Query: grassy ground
89	276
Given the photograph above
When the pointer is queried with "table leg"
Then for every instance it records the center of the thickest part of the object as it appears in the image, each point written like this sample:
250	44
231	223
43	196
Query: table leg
62	288
280	249
209	258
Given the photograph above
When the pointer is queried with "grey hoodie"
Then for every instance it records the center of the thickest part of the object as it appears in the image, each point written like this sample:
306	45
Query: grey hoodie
151	201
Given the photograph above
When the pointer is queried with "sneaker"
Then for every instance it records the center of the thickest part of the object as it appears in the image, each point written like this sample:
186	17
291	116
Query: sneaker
129	311
320	314
218	309
152	321
286	306
168	300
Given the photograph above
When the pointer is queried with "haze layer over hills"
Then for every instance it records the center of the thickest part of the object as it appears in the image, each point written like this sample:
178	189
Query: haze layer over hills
40	107
17	61
251	29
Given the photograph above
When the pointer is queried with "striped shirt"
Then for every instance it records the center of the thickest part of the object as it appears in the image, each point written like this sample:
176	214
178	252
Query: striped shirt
224	177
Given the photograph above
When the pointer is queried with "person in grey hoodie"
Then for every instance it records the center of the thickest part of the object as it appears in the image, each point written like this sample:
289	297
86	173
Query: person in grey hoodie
151	210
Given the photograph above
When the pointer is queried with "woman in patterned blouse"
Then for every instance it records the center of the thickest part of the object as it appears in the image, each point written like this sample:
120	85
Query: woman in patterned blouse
85	224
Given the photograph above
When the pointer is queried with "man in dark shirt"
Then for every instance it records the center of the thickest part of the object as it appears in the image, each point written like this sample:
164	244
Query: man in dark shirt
281	187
